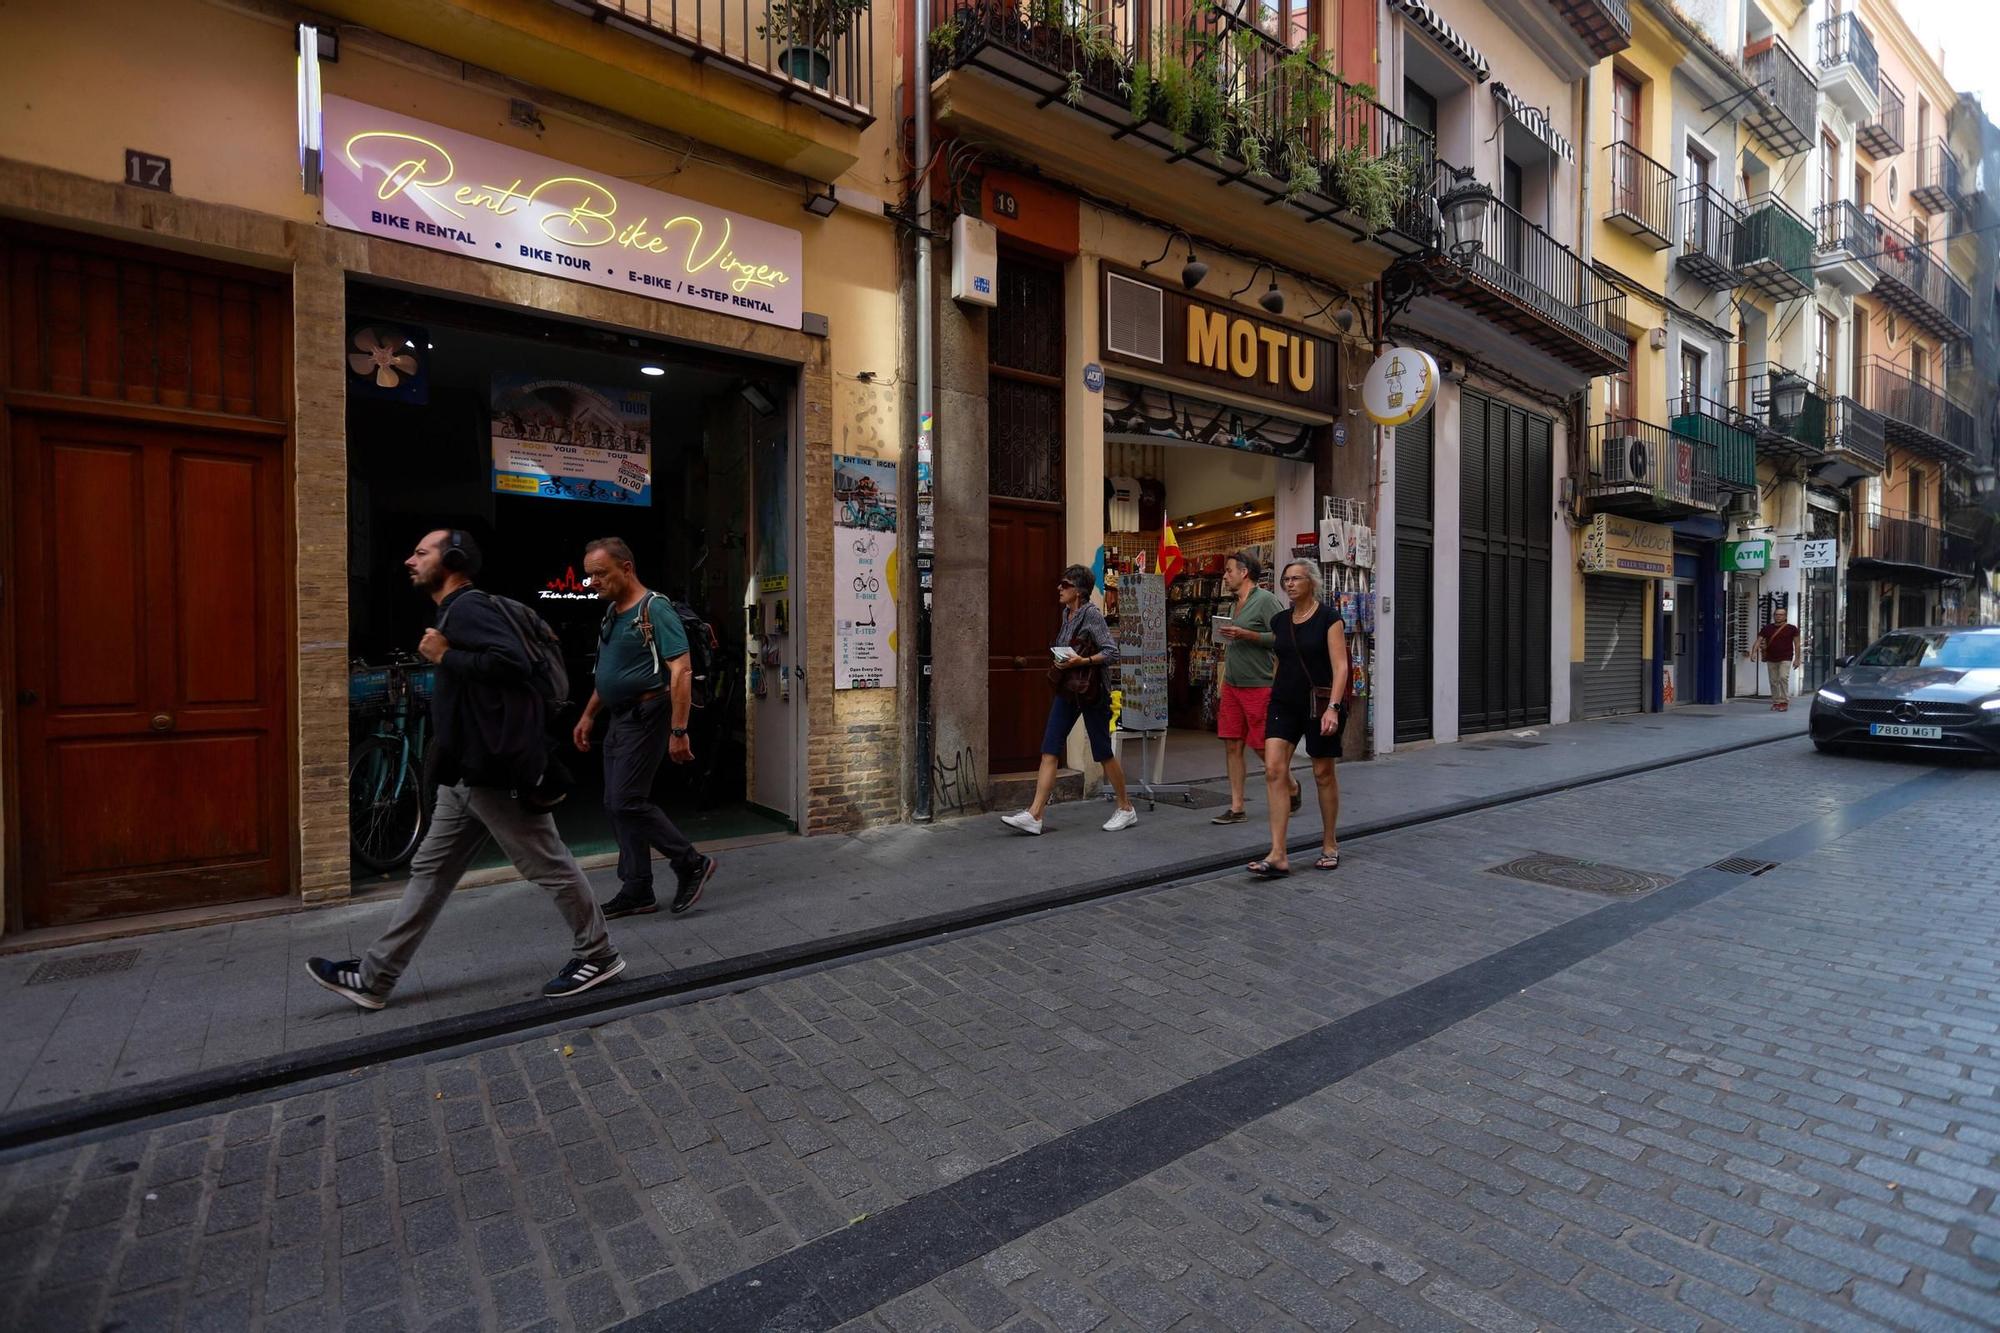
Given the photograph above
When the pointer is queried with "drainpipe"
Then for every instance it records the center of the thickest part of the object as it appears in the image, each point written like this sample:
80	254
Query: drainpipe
926	315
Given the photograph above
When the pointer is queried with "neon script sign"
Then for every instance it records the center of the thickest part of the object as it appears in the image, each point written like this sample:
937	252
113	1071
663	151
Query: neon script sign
389	175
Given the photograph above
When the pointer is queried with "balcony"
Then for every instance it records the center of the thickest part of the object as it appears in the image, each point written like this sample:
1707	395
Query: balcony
1642	196
1774	249
1525	282
1882	137
1916	416
1897	546
1855	446
1604	25
1849	71
1790	411
1708	222
801	50
1782	113
1157	101
1916	284
1647	472
1935	189
1848	242
1732	435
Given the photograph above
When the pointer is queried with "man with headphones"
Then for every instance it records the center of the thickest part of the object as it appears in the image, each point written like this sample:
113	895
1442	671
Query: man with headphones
488	749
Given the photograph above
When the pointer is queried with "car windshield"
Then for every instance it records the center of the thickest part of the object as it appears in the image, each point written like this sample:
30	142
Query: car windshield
1963	651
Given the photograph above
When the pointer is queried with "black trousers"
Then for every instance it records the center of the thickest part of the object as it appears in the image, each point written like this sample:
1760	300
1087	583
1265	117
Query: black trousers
635	744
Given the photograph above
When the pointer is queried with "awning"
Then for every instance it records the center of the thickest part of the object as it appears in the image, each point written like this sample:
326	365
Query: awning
1535	121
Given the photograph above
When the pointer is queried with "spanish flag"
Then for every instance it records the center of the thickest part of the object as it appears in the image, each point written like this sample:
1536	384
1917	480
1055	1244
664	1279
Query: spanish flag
1171	563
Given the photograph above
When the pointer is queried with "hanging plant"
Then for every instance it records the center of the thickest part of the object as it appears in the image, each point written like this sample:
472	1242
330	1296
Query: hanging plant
944	37
1139	89
1302	174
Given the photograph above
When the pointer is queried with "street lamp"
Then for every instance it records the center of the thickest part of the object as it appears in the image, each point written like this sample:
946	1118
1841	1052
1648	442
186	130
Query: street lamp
1788	394
1463	205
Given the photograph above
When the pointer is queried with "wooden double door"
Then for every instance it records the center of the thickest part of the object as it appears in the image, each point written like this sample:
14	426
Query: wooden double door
148	736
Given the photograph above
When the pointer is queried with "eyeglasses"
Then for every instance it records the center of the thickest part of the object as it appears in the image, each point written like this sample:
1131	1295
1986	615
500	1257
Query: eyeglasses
1065	583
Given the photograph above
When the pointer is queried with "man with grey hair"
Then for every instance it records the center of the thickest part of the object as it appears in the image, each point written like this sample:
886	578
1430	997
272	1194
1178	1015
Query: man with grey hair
645	682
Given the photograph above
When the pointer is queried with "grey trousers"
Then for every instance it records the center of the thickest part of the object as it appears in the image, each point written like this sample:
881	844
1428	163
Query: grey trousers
635	744
464	817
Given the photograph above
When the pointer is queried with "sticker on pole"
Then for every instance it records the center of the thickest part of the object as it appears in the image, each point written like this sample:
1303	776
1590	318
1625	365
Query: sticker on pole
1399	387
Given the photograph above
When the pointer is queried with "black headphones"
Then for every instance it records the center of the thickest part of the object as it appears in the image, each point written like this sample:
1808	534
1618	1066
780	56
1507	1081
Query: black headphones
461	553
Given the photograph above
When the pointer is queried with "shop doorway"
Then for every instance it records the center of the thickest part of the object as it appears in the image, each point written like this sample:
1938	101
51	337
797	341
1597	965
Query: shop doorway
1683	639
537	436
1416	531
1505	461
1614	678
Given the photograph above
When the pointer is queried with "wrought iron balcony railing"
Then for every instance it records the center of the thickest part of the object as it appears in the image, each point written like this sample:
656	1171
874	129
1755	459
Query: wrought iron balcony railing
1857	432
1544	287
1897	537
1708	222
1844	230
1917	415
1844	40
802	50
1915	283
1645	471
1783	112
1642	196
1195	83
1882	137
1732	434
1604	25
1936	187
1790	410
1774	248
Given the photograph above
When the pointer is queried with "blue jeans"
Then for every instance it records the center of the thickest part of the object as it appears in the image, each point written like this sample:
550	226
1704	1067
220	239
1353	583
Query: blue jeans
1063	713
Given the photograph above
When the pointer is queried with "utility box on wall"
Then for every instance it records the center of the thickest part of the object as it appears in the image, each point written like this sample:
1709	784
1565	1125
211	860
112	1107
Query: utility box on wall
975	261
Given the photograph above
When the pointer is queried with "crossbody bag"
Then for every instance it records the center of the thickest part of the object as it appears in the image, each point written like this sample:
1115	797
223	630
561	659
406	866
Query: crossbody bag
1321	696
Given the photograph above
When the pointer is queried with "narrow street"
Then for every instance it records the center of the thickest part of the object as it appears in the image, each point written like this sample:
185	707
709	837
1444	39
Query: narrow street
1758	1088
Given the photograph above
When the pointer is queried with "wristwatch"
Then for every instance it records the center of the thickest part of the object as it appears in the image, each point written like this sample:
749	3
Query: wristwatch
679	731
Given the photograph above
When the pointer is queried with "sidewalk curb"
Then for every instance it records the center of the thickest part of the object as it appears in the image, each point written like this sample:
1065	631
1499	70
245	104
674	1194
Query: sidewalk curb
78	1115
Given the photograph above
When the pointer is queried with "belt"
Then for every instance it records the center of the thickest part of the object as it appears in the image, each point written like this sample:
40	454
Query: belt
645	698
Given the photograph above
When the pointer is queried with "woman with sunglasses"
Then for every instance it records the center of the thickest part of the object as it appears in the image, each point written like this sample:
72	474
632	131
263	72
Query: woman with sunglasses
1307	700
1085	633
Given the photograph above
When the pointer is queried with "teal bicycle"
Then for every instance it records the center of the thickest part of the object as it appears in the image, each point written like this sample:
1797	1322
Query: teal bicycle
388	809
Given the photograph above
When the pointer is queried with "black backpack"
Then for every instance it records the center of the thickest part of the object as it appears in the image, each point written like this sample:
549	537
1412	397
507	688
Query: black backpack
703	645
548	674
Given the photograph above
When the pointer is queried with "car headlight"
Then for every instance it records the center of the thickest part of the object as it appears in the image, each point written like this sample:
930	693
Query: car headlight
1990	706
1836	697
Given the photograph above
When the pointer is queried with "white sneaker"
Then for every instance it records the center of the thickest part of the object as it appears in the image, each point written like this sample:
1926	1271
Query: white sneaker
1121	819
1023	821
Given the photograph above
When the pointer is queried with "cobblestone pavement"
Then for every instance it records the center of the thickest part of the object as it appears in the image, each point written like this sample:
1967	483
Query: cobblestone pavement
1740	1102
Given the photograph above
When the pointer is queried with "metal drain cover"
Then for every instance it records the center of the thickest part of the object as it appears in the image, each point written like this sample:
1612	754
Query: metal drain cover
1566	872
78	969
1743	865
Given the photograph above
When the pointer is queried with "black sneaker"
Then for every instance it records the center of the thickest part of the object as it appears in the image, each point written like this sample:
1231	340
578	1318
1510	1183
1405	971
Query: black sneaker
583	973
631	902
692	883
344	978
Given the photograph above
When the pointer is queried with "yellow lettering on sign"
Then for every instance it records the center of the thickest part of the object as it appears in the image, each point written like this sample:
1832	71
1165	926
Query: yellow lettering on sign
1243	348
1207	331
1274	341
1302	364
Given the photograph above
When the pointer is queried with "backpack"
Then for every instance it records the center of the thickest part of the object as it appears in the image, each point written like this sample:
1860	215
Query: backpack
703	645
548	674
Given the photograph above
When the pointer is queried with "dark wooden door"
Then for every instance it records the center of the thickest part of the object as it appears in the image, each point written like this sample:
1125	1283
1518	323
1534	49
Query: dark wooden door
148	619
1026	550
1416	534
1505	515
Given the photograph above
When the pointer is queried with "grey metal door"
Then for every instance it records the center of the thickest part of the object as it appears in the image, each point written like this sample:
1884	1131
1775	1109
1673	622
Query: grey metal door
1614	678
1681	625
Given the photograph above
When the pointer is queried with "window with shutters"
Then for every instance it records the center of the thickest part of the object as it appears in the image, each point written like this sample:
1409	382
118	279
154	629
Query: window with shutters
1505	462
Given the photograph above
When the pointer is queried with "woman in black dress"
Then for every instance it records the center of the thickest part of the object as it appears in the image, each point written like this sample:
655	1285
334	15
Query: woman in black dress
1309	702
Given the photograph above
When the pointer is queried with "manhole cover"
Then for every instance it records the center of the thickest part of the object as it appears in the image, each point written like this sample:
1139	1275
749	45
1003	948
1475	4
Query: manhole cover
77	969
1566	872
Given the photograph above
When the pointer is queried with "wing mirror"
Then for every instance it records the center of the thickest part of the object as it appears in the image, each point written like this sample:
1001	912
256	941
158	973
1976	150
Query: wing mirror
1842	663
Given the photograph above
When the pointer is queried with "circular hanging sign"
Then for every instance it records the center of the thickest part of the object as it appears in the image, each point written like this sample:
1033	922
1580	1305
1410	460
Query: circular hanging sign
1399	387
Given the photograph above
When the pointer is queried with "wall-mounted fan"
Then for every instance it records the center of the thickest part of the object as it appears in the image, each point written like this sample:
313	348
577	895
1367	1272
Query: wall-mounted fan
389	361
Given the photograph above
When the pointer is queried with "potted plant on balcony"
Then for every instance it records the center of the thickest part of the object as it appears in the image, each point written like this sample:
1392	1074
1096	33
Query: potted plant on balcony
809	30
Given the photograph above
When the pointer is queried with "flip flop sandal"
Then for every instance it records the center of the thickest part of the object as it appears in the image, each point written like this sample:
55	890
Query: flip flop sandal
1265	870
1328	861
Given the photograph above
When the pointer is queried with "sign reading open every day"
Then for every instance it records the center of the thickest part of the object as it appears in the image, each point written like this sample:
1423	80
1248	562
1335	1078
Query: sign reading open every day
1616	545
409	180
1225	346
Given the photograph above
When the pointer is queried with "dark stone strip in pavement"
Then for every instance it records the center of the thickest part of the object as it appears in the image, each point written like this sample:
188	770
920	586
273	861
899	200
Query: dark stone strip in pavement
849	1272
121	1108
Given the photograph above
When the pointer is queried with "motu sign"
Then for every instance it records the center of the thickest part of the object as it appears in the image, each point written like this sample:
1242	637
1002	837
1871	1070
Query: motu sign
389	175
1615	545
1229	348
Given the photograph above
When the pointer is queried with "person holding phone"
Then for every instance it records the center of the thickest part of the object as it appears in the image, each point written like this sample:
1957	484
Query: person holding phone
1083	648
1308	702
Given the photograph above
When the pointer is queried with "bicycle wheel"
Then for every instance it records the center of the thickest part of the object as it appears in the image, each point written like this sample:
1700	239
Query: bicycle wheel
386	814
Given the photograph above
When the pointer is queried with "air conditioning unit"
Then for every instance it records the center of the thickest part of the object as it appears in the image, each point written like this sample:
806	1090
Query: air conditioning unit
1743	505
1627	460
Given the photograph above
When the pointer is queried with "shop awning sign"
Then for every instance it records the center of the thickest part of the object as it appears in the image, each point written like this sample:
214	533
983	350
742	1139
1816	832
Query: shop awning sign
1399	387
1746	557
409	180
1628	548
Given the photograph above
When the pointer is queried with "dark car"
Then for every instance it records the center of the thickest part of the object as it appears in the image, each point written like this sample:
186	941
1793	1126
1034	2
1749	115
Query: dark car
1933	689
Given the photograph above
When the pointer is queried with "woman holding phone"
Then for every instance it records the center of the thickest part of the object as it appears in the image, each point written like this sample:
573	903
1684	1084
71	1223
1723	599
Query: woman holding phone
1307	702
1082	645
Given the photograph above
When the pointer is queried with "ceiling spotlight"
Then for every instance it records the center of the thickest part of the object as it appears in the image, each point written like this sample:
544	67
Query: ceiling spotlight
652	370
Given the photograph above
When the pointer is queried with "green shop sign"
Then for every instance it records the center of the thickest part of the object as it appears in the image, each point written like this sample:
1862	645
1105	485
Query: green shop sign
1746	557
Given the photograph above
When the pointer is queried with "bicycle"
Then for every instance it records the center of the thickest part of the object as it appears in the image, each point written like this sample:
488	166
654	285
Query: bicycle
388	810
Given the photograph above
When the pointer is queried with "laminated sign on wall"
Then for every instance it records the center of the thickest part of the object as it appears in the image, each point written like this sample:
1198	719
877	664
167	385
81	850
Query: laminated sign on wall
560	440
864	573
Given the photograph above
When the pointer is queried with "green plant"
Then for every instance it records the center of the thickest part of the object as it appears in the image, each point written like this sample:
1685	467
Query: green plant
1371	187
813	24
944	37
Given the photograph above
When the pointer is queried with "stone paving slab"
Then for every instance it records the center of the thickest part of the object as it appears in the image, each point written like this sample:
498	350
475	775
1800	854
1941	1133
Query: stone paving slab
1736	1082
168	1018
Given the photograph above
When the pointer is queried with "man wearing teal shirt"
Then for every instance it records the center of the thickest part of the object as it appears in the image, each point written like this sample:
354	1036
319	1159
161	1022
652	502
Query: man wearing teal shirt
643	680
1248	665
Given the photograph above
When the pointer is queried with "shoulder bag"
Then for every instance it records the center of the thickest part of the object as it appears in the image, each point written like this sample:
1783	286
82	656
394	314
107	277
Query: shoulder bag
1321	696
1084	684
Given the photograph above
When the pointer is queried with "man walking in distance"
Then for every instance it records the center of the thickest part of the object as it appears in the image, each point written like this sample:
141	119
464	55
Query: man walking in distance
1247	668
488	748
644	680
1778	648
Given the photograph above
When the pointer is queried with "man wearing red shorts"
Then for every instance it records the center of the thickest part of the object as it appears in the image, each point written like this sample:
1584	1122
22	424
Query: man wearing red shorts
1248	664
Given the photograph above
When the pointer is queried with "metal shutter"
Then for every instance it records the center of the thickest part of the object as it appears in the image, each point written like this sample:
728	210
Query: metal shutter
1614	666
1415	538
